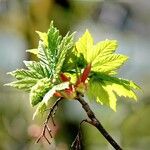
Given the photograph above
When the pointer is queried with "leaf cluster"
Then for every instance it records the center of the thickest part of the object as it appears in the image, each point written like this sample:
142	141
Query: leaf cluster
57	54
103	86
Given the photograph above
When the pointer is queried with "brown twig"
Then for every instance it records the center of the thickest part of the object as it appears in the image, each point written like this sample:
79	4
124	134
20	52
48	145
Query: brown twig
46	127
95	122
76	144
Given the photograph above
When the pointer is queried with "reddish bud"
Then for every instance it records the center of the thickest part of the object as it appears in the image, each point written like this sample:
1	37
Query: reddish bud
57	94
84	75
64	78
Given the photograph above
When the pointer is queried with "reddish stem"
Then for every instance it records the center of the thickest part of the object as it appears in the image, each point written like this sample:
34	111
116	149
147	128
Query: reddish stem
84	75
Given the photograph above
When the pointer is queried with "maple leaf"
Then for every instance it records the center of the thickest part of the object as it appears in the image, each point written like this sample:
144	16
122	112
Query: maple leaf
41	78
102	86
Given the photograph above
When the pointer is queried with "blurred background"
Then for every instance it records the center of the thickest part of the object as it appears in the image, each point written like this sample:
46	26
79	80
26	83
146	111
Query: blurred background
127	21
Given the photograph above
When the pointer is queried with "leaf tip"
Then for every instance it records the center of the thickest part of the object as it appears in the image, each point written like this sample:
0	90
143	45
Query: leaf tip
87	32
52	24
6	84
9	73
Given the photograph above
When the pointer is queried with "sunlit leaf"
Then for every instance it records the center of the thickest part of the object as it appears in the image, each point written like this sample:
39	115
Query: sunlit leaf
104	48
84	46
39	110
101	55
55	88
39	69
23	84
102	93
39	90
33	51
108	63
43	36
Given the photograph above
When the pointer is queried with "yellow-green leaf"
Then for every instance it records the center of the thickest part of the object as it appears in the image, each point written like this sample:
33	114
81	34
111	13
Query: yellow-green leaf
108	63
84	45
121	90
39	110
101	55
104	48
24	84
43	36
55	88
39	90
102	93
33	51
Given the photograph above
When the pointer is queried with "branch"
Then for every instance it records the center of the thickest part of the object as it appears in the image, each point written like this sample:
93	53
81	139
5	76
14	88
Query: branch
46	127
76	144
95	122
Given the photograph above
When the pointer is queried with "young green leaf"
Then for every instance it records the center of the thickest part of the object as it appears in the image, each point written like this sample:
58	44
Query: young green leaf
102	93
33	51
64	50
39	90
39	69
54	54
112	98
84	46
43	36
103	88
108	63
23	84
22	74
104	48
100	55
55	88
41	108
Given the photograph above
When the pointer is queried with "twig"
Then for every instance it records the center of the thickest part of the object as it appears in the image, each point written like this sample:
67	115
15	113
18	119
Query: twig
95	122
76	144
46	127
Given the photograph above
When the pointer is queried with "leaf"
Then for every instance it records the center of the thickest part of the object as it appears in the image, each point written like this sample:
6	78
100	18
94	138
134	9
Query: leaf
44	54
84	46
52	51
108	63
64	50
101	55
105	48
39	69
103	89
35	71
55	88
54	39
111	96
24	84
43	36
121	90
97	92
53	55
102	93
123	87
48	48
127	83
33	51
22	74
39	110
39	90
91	52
